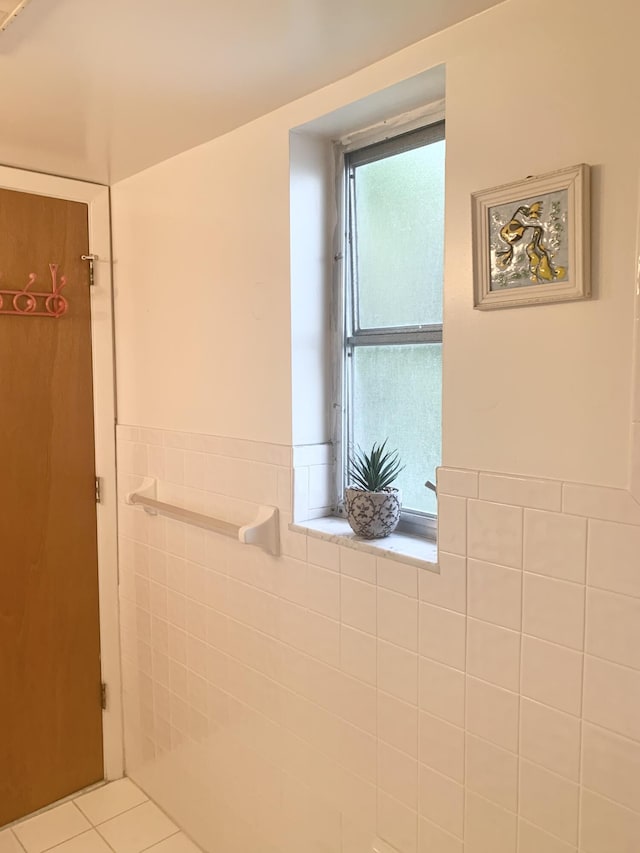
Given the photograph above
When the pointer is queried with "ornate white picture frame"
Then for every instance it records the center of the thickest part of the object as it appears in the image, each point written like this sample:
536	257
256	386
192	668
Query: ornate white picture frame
531	240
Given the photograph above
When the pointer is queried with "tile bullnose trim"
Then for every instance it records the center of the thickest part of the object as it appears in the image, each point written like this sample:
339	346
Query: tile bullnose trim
602	502
635	461
398	546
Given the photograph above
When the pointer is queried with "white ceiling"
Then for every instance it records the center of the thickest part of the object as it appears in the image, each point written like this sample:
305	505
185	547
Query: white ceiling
100	89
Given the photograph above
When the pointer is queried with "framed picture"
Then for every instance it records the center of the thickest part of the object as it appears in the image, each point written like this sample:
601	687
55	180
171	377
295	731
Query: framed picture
531	240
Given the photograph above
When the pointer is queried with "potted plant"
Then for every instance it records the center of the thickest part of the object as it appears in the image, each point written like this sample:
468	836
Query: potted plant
371	502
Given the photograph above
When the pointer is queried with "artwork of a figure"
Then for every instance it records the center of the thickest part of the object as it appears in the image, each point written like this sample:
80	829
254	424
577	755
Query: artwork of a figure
528	241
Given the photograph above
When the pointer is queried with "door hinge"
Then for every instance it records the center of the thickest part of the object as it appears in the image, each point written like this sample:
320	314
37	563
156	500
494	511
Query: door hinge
91	259
98	490
103	696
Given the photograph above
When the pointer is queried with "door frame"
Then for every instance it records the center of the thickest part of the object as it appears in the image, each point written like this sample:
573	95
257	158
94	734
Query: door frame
97	199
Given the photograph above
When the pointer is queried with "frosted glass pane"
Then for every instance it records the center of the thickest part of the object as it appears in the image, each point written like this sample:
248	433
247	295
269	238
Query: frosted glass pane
396	394
399	237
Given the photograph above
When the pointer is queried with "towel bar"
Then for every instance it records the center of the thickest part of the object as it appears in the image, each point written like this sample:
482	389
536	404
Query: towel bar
262	531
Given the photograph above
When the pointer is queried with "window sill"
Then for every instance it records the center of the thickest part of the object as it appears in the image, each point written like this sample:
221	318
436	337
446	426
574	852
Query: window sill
402	547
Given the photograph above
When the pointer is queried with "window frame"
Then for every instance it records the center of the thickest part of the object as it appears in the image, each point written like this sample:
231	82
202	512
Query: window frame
345	315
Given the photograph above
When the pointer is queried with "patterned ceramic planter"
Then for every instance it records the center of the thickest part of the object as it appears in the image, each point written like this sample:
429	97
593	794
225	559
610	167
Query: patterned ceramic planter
373	515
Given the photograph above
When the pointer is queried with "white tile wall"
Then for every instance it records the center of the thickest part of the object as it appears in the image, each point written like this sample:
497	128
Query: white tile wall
492	772
319	700
495	533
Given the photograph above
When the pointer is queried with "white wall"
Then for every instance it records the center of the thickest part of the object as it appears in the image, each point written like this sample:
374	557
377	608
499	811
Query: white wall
202	289
252	720
202	254
313	218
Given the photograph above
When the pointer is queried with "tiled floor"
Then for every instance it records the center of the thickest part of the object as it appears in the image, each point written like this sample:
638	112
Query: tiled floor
117	818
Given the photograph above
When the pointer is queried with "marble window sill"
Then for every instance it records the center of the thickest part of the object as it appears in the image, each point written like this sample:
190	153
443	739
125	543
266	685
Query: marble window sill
402	547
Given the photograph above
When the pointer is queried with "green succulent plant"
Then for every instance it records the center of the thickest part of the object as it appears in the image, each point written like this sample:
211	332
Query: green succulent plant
376	470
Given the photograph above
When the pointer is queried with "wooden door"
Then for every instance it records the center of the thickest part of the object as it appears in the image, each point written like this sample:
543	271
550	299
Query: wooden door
50	708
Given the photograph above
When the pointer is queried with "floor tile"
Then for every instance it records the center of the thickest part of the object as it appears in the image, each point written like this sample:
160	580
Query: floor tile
110	801
50	828
137	829
176	844
88	842
9	843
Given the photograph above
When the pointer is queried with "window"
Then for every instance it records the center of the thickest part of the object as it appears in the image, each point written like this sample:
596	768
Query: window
392	353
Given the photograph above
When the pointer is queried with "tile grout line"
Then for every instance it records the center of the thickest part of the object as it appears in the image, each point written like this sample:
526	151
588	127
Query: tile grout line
418	712
521	654
69	801
466	664
70	798
17	840
584	661
93	827
161	840
113	817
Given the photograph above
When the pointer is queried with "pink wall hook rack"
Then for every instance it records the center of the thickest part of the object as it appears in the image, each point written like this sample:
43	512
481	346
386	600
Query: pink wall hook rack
33	303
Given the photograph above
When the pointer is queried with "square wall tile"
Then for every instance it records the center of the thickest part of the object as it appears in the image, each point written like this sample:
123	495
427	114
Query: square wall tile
532	839
613	626
549	801
442	691
397	824
174	466
321	488
358	604
51	827
358	654
550	738
446	588
494	593
521	491
493	654
291	583
452	525
635	447
398	577
555	545
492	772
612	696
300	493
323	553
398	619
488	828
110	800
553	610
442	635
398	672
607	827
611	766
552	674
398	775
441	746
441	801
398	723
356	838
357	564
495	533
612	561
323	591
432	838
492	713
